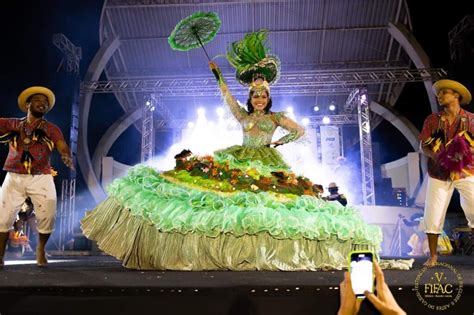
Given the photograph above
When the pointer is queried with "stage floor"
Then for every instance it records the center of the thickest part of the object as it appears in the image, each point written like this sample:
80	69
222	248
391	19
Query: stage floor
99	284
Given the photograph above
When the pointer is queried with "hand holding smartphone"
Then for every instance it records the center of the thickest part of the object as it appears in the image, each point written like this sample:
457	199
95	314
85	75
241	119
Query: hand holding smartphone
361	268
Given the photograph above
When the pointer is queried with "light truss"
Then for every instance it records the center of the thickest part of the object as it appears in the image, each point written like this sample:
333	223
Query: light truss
111	4
72	53
67	207
458	45
160	108
367	164
314	121
66	214
328	82
147	143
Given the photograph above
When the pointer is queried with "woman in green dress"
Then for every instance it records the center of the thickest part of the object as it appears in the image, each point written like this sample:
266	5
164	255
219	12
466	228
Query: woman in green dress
242	209
258	126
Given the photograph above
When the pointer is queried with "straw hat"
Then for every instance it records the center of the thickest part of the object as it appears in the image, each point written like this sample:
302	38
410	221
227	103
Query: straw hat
32	91
455	86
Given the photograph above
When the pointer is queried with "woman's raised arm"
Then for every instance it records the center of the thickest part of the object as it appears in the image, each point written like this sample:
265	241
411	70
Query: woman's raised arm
238	112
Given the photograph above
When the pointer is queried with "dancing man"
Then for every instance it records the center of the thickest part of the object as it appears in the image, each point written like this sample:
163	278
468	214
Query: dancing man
31	140
446	139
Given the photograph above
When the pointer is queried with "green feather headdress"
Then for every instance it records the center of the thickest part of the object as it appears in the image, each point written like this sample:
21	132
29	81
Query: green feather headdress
252	59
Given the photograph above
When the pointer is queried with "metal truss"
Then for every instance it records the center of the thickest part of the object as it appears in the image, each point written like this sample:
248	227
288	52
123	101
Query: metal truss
314	121
72	53
66	215
328	82
147	130
128	3
160	108
367	164
457	38
351	102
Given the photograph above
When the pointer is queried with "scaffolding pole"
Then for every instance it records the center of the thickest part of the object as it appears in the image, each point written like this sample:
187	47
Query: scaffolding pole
366	158
67	207
147	129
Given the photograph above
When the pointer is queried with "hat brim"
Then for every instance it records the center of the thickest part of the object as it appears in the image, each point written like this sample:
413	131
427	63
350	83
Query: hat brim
268	67
23	97
455	86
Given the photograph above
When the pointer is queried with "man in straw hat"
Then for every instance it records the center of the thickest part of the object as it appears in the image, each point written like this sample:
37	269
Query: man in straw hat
334	194
446	139
31	140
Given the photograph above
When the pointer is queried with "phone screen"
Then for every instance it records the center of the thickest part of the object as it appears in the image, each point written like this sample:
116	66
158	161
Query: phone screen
362	273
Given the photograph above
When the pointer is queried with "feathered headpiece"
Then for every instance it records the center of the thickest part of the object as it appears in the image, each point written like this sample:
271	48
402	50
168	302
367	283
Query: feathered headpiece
252	61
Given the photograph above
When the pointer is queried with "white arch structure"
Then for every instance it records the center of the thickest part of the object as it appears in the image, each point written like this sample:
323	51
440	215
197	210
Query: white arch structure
419	57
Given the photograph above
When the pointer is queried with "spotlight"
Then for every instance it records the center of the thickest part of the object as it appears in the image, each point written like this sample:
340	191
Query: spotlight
326	120
316	108
305	121
148	103
190	124
289	109
332	107
363	97
201	111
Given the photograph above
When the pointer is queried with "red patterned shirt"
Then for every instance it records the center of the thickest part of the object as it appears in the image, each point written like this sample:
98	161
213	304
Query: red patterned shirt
39	150
465	120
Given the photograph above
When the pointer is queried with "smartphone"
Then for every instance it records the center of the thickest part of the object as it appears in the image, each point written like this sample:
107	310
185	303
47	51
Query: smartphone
361	267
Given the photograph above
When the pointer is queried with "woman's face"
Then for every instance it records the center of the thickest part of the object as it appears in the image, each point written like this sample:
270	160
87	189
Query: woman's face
259	100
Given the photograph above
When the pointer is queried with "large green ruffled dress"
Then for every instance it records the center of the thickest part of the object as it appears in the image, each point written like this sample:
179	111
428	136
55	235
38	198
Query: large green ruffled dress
179	221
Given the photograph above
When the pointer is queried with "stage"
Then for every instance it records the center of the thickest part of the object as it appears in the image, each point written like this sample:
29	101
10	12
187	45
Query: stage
100	285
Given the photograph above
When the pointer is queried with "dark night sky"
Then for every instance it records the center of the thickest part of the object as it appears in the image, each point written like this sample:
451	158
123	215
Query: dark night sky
28	56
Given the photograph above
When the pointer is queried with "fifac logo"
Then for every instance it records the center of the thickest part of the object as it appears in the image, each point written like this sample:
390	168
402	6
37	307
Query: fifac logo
439	287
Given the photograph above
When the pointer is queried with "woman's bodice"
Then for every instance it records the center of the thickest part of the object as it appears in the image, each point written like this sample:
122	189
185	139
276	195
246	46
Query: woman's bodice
258	129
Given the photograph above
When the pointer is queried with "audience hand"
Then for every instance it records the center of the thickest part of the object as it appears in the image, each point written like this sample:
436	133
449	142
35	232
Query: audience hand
350	305
383	300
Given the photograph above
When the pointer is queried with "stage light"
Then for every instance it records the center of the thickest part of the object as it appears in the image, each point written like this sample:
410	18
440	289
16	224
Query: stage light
316	108
363	97
289	109
326	120
152	108
33	262
148	103
190	124
305	121
332	107
201	111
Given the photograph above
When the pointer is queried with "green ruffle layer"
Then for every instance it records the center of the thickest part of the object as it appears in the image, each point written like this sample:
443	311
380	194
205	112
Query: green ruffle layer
140	245
173	208
264	159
